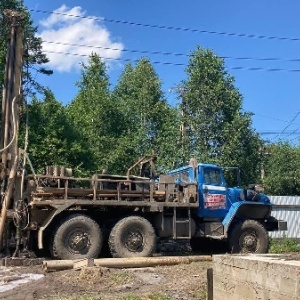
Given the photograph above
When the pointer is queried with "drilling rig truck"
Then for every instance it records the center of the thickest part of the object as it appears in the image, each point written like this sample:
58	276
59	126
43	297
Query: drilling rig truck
76	218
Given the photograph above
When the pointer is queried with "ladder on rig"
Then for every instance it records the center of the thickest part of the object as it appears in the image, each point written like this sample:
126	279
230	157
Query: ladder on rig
183	220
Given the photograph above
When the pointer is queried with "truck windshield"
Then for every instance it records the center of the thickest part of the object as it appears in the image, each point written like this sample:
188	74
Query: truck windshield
212	176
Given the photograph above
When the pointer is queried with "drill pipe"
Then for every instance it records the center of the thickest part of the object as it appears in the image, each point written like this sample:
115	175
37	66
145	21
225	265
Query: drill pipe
132	262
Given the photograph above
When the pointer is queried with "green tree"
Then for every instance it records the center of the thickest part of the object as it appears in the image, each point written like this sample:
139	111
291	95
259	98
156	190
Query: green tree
52	140
216	128
33	57
282	169
149	121
96	114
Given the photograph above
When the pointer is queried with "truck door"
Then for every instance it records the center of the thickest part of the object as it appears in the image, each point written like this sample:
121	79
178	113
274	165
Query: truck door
213	192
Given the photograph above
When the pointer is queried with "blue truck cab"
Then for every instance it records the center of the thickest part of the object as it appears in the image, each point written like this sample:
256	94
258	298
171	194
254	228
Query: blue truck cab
240	216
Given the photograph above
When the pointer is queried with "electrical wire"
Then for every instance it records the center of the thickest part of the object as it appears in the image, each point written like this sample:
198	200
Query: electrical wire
170	53
276	119
177	64
290	123
112	58
278	132
293	132
166	27
181	54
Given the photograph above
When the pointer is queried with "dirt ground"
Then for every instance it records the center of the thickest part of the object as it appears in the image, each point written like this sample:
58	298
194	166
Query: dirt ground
184	282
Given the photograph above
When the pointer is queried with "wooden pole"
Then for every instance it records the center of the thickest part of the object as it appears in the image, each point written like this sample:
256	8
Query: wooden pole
134	262
210	284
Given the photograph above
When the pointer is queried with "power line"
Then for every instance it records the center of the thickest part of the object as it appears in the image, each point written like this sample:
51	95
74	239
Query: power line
270	132
166	27
276	119
296	138
294	132
169	53
117	49
290	123
117	59
177	64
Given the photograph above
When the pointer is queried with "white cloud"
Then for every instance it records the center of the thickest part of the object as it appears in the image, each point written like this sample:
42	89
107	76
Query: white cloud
64	33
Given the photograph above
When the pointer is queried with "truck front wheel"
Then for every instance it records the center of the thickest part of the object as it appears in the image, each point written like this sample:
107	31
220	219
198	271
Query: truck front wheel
248	236
132	237
77	237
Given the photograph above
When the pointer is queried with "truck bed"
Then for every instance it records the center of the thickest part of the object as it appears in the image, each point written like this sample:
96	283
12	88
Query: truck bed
140	192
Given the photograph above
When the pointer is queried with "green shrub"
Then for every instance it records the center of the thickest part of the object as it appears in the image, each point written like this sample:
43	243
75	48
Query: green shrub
284	245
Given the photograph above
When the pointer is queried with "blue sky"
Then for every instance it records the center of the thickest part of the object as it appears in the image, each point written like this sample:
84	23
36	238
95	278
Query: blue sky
273	96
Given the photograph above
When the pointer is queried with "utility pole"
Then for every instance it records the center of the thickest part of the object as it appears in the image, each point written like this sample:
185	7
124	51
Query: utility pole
9	150
180	89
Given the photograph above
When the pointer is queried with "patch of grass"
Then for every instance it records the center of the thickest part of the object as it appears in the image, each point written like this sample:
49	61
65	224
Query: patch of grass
155	296
123	277
132	297
76	298
285	245
199	294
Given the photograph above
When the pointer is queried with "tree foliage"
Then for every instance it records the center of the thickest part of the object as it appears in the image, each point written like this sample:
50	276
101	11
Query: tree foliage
96	114
282	169
148	119
104	129
52	140
33	57
216	128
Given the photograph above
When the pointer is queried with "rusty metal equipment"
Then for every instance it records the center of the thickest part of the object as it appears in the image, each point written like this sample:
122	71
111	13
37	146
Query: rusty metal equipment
10	153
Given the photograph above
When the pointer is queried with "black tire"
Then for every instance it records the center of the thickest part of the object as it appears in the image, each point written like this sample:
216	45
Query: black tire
77	237
248	236
132	237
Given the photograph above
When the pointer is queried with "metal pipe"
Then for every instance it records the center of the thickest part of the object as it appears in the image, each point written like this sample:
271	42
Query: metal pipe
7	197
132	262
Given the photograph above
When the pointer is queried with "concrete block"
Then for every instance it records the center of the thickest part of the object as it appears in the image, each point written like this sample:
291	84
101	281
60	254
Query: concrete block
240	273
219	294
273	281
288	286
256	277
278	296
224	283
246	291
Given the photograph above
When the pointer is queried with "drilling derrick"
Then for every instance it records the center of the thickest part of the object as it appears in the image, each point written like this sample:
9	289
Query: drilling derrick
10	179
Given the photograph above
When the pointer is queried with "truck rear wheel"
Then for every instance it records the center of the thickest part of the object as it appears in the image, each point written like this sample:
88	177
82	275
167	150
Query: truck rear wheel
248	236
78	236
132	237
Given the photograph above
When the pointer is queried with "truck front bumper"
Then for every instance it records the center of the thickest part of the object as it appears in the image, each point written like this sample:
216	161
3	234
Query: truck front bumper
282	225
272	224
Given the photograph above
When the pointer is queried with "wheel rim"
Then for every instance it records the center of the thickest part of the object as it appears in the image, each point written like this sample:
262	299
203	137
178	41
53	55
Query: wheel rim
133	240
249	241
78	242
